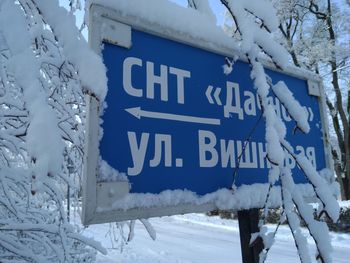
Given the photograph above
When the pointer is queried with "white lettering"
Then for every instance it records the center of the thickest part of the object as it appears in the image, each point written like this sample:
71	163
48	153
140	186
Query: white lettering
138	153
289	160
127	82
159	140
275	105
205	148
258	102
249	103
152	79
247	160
300	149
180	76
310	154
233	89
227	153
262	156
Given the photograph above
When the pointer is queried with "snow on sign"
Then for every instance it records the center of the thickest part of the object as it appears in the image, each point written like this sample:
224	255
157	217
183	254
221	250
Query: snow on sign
176	125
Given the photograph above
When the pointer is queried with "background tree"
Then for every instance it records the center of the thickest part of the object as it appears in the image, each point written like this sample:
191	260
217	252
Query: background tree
316	34
253	26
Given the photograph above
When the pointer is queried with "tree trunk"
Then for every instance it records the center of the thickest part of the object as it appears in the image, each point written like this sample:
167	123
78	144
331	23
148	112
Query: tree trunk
339	105
346	188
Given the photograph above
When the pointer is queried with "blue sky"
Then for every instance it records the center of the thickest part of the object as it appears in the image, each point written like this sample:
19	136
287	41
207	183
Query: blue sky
215	5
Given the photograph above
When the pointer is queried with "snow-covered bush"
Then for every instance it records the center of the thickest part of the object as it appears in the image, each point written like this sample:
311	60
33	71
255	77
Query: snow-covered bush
343	224
44	63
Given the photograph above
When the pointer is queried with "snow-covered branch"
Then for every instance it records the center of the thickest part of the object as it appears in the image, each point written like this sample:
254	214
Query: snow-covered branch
42	129
256	39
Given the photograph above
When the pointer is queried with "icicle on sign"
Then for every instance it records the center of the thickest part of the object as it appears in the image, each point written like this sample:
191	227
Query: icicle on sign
175	121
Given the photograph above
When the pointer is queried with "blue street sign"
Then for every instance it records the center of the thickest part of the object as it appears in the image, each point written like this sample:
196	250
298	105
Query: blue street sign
175	121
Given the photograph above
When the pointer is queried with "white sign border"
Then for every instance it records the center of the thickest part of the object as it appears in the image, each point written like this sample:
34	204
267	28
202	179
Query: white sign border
114	27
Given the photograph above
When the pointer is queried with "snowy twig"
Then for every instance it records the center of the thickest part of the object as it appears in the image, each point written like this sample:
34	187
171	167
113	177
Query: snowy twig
244	13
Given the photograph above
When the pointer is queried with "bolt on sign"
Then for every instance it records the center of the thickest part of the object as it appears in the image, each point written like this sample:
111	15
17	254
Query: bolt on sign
177	126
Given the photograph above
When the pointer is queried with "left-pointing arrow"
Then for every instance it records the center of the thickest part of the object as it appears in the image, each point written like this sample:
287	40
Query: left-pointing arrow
138	113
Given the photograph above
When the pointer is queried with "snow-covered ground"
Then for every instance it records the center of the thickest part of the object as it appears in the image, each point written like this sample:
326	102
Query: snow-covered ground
199	238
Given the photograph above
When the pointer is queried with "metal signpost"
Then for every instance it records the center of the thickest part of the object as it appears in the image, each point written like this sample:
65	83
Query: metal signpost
174	120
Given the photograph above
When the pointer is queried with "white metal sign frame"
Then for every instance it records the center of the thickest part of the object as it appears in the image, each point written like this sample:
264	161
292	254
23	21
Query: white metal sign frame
115	27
